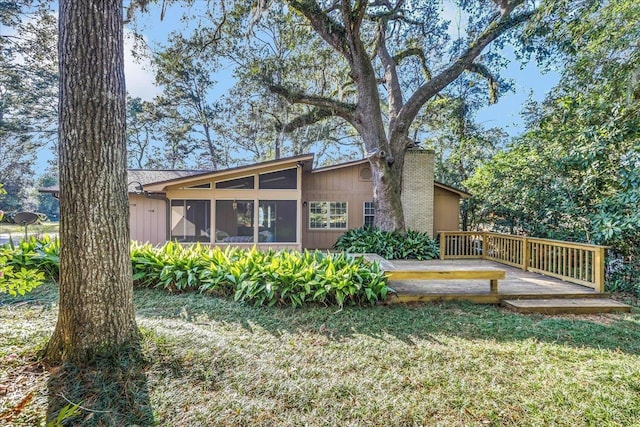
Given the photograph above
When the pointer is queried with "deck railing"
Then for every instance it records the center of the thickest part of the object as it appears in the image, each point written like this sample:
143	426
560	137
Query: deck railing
578	263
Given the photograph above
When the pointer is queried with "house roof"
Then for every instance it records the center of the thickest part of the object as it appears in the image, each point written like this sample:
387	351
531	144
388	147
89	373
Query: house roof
149	176
340	165
160	178
463	194
140	176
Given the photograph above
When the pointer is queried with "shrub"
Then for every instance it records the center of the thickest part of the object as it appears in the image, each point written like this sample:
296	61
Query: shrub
26	265
389	244
295	278
18	281
623	275
263	278
173	266
270	277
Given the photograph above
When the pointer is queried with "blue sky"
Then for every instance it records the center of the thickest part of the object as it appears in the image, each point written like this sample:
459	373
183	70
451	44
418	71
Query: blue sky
527	78
505	113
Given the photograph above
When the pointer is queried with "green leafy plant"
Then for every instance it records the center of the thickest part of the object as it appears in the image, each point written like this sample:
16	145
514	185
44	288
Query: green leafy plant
623	276
26	265
389	244
18	281
260	277
42	254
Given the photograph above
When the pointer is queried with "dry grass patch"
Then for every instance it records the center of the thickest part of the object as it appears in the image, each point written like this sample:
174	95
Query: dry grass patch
210	361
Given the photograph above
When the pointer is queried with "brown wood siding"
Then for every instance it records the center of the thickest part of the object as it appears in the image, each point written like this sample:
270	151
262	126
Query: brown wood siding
147	219
336	185
446	211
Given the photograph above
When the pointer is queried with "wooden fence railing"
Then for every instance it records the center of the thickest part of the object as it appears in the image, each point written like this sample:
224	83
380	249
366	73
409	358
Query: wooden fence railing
578	263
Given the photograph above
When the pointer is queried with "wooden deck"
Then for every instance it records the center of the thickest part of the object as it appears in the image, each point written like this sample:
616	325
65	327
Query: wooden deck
517	284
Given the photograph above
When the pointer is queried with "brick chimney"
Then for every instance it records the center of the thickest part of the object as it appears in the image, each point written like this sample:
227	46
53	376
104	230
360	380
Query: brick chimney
417	190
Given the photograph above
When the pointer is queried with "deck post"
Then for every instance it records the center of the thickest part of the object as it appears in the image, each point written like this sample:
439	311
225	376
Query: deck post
483	235
598	269
443	239
525	253
494	286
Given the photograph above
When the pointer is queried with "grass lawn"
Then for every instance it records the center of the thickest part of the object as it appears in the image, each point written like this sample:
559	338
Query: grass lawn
209	361
32	230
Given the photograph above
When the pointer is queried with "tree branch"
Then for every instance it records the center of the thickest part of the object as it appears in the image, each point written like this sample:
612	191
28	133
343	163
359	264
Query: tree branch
390	74
334	6
358	13
391	14
314	116
331	31
483	71
341	109
419	53
432	87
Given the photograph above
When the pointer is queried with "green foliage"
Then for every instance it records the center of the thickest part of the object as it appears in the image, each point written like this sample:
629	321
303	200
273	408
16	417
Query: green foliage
18	281
28	264
389	244
173	267
622	274
41	254
573	175
517	193
28	60
617	216
261	277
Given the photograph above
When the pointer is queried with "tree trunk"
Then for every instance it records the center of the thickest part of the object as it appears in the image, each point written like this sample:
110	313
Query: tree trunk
96	312
387	186
386	163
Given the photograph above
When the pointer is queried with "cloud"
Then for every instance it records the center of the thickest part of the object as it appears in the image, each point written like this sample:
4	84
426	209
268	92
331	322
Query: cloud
138	70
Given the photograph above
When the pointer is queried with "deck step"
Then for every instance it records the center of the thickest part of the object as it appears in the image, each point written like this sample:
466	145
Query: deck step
567	306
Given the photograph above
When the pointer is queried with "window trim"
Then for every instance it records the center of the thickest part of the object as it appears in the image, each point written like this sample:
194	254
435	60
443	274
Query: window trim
365	214
328	216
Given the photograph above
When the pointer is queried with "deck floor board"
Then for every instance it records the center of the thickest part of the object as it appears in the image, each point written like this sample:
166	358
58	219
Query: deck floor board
517	283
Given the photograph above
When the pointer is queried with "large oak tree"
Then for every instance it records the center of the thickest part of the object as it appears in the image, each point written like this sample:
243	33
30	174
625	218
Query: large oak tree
96	292
375	39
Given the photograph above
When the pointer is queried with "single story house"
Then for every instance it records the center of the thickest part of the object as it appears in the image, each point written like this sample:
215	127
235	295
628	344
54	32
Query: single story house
282	203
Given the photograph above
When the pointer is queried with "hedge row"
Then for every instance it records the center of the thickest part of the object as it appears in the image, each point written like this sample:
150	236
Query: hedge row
260	277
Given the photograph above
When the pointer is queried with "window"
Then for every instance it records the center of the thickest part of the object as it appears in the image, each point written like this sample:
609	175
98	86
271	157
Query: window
234	221
244	183
204	186
368	213
328	215
279	180
190	220
277	220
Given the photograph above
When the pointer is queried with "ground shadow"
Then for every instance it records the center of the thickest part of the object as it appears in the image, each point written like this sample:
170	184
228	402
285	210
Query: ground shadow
110	391
408	322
